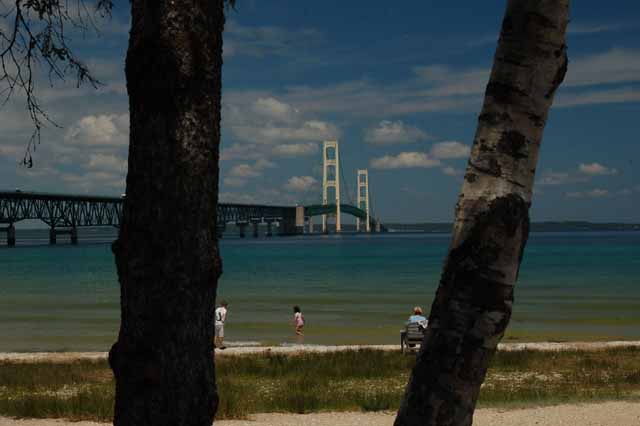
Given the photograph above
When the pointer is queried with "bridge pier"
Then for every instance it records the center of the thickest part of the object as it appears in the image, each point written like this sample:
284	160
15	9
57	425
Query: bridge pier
11	234
220	228
255	224
54	232
242	226
311	224
269	229
299	220
292	222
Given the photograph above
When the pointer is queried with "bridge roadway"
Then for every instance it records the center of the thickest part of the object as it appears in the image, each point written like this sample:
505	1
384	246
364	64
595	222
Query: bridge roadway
65	213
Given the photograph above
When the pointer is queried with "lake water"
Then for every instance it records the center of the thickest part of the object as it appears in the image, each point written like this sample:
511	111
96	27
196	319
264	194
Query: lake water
351	288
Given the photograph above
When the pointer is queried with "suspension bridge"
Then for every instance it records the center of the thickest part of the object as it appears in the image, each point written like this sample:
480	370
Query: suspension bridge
64	213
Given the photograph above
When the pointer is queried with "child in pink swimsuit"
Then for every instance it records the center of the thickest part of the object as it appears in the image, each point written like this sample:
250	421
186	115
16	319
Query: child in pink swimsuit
298	320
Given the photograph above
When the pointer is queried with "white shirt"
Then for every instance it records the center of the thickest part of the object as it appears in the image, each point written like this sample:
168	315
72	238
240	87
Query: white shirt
221	315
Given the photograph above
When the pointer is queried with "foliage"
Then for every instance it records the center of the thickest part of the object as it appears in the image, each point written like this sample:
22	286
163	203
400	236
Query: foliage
36	33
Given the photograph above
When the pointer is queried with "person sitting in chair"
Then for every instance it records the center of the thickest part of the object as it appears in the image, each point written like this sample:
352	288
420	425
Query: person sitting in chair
417	315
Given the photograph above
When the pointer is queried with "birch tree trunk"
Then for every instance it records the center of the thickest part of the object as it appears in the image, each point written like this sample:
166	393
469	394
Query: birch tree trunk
167	255
473	302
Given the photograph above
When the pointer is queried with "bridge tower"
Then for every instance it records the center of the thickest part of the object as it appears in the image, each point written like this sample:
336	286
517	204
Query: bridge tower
363	198
331	179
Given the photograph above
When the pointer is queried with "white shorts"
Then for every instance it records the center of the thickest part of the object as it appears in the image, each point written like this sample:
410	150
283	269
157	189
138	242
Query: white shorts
219	330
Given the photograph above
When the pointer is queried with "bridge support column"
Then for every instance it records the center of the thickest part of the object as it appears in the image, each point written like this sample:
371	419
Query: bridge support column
242	226
299	220
74	236
53	236
220	228
11	235
269	229
289	221
311	224
255	229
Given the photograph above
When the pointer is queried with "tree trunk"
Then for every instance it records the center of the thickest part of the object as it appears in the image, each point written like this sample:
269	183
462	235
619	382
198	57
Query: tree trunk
167	254
473	303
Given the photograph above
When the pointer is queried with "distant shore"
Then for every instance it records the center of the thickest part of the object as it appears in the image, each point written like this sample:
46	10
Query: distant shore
65	357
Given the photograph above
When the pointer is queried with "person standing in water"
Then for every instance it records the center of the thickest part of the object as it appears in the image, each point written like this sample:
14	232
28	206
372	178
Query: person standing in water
221	318
298	320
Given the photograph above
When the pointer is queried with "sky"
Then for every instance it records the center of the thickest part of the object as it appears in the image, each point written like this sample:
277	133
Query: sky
400	88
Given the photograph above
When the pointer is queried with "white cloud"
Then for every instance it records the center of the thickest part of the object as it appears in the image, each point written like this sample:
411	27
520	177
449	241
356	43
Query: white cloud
268	40
594	193
596	97
106	130
450	149
579	29
313	130
254	152
452	171
584	173
446	81
393	132
613	66
273	109
405	160
250	171
295	150
301	183
551	178
107	162
596	169
241	173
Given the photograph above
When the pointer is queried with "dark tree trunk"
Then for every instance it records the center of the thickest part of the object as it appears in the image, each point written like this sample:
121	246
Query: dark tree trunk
166	254
474	300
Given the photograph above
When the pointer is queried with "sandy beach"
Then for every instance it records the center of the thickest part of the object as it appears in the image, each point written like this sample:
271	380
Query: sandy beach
602	414
297	349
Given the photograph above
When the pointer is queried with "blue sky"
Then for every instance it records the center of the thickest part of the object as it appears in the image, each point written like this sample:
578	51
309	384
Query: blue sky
399	87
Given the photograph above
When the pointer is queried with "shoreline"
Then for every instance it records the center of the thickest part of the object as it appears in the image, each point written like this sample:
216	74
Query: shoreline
65	357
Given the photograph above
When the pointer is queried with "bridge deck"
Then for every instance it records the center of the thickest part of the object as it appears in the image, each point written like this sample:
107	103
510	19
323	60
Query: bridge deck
69	210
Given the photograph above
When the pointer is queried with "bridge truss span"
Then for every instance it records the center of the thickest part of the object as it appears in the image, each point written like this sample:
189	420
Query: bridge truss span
60	210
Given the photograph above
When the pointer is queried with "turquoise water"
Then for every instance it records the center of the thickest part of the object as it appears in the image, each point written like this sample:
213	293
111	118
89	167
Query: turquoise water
352	288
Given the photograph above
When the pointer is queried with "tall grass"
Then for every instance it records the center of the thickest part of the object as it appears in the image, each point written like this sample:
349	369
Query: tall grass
366	380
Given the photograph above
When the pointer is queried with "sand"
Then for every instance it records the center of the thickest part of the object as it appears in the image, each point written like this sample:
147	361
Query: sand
602	414
61	357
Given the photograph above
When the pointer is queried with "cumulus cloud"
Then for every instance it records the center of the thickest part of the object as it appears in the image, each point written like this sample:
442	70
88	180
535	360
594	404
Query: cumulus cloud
273	109
241	173
551	178
449	149
259	119
99	130
107	162
584	173
594	193
261	41
452	171
446	81
393	132
312	130
596	169
612	66
295	150
405	160
301	183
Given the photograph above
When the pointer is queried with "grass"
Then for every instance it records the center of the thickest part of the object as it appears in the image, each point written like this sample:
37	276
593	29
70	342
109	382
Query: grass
366	380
